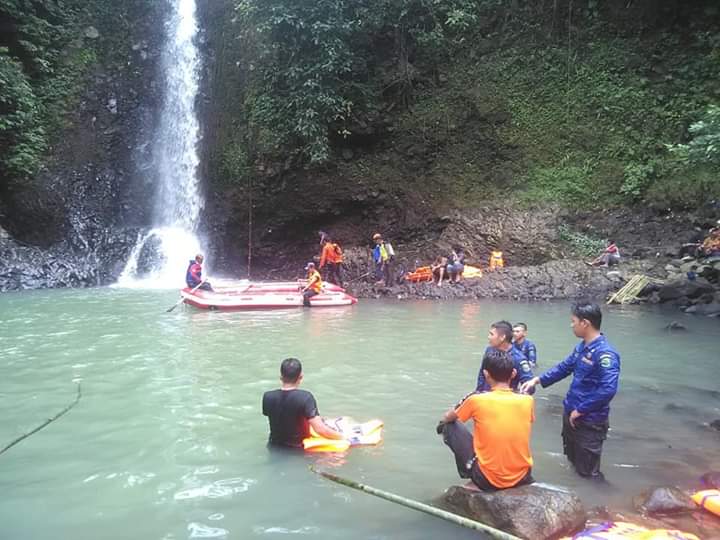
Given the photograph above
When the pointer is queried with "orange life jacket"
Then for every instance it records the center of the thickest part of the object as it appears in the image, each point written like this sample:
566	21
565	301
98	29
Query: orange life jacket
332	253
496	260
314	281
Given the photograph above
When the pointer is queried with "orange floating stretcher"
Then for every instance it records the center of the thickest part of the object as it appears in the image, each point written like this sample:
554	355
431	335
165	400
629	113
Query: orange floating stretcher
618	530
709	499
366	434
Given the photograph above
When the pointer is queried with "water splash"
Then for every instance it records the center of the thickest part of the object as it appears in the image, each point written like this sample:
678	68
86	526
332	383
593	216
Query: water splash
160	256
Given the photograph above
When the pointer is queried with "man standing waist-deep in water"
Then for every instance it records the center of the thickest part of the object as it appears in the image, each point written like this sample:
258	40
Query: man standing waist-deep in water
292	411
595	366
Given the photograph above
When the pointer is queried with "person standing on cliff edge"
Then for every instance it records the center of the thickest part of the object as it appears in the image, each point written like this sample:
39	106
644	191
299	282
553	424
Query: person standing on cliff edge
595	366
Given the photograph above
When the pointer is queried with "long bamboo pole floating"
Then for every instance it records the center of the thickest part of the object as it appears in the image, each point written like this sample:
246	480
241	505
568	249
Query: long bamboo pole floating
421	507
45	423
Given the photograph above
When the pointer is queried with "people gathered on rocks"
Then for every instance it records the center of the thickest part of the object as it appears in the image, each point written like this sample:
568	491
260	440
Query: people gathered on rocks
456	264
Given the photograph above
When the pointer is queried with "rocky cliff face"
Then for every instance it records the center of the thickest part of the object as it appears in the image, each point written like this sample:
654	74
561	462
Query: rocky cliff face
76	221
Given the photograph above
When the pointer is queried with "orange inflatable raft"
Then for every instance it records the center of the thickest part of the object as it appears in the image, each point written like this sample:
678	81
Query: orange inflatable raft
366	434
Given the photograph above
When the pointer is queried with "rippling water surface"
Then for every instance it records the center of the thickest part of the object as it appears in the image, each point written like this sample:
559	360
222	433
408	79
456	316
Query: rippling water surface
168	440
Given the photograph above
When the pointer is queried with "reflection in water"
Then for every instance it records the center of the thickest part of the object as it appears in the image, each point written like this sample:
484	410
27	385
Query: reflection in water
169	440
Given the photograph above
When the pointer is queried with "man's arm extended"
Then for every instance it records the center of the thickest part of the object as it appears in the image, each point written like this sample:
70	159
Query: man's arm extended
322	429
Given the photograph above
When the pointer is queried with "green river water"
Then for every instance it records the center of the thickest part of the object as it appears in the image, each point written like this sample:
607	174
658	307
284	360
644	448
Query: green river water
168	440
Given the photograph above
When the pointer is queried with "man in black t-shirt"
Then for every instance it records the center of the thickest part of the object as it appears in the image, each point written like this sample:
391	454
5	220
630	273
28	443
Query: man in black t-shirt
292	411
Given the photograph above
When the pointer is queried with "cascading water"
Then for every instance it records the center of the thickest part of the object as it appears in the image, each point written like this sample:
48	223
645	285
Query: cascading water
161	255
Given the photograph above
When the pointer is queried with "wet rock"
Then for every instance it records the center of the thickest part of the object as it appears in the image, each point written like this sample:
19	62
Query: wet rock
675	326
704	309
91	32
534	512
688	289
664	500
715	424
711	480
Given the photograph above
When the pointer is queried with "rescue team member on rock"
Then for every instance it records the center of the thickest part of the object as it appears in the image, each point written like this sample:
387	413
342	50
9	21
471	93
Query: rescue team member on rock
609	257
523	344
595	366
314	284
497	454
292	411
383	255
500	339
193	275
332	257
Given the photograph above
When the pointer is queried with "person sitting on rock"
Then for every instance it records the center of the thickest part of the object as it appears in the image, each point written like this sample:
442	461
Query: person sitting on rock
193	274
456	264
438	269
291	411
521	342
500	339
497	455
609	257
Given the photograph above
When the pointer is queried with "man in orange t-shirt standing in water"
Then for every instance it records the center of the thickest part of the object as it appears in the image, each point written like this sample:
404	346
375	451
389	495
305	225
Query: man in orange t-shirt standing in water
497	454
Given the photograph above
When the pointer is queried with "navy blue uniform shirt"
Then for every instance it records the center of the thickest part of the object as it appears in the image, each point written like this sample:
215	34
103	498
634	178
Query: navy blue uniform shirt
529	350
596	372
521	365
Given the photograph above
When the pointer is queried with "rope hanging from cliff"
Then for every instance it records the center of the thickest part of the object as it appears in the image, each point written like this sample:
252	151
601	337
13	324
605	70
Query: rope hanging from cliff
250	216
48	421
416	505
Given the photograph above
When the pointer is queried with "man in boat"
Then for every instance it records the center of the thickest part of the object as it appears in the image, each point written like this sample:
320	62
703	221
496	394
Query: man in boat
314	284
331	258
383	256
193	275
595	367
291	411
500	339
521	342
497	455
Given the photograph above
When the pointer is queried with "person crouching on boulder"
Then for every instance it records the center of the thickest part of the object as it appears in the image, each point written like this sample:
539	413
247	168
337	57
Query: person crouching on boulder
314	284
291	411
193	275
497	455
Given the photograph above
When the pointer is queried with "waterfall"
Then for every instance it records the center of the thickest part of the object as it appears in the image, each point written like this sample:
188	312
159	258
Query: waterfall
161	255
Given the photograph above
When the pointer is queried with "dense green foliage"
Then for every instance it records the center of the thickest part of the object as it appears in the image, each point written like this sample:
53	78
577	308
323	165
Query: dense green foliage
319	66
600	95
42	57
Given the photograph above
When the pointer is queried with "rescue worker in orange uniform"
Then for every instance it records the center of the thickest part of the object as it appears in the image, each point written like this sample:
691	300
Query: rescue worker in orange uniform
314	284
331	258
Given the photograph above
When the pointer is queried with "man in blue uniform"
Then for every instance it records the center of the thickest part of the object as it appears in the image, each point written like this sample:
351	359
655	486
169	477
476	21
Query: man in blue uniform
595	366
523	344
500	339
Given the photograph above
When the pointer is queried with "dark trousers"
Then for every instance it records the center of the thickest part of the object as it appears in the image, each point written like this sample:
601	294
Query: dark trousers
460	441
333	273
204	287
307	295
583	444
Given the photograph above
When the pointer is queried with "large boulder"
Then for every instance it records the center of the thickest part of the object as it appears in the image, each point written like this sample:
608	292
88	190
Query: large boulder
689	289
663	501
536	512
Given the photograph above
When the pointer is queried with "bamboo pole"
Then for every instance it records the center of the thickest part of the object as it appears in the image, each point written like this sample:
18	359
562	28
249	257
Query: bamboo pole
48	421
421	507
